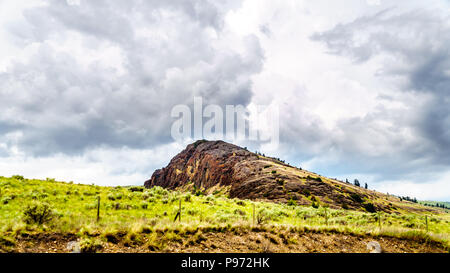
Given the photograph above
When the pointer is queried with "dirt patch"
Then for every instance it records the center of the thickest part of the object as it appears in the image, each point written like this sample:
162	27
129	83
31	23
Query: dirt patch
301	243
239	242
44	243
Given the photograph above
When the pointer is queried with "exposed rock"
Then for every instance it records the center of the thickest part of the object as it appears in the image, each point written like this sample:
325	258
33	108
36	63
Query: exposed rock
217	165
73	246
206	163
374	247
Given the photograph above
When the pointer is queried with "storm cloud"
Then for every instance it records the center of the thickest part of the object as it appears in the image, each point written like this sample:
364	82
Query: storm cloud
87	87
414	49
108	72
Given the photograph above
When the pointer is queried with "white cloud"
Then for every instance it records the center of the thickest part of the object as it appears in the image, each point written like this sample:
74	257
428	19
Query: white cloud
102	166
431	190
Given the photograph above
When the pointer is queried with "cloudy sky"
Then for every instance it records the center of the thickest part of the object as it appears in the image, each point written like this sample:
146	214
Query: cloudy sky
363	87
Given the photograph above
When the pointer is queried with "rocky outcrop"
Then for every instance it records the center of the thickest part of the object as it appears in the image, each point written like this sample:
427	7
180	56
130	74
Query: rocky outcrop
205	164
217	165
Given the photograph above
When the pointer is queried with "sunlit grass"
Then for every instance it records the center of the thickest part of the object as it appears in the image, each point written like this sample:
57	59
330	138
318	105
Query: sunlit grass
132	211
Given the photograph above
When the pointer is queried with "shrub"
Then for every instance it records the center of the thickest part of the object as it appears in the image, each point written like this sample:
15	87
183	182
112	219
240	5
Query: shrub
117	206
192	212
239	212
187	197
6	243
38	213
146	195
136	189
240	203
5	200
318	179
356	197
410	225
262	217
90	245
306	192
90	193
157	190
112	197
370	207
17	177
173	199
112	237
199	193
274	172
292	202
315	204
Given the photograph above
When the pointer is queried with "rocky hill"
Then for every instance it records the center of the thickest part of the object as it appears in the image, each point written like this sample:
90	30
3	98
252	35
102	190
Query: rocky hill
219	167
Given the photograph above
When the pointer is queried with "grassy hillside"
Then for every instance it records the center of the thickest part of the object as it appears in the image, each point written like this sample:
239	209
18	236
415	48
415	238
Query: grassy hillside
444	205
134	216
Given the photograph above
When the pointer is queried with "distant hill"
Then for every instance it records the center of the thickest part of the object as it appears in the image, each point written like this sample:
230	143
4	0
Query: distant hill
213	166
444	205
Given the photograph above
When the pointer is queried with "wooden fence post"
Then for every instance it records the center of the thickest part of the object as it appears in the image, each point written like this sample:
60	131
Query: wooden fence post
379	220
326	216
98	208
254	209
426	221
178	213
179	210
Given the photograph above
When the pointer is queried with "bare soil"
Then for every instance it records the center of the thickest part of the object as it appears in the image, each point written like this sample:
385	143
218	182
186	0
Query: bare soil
246	242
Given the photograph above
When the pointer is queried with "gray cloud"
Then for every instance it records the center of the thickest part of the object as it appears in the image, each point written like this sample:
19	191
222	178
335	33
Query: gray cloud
104	75
414	47
169	51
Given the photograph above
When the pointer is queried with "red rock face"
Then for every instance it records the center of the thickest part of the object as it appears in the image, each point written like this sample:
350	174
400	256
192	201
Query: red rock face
205	164
246	175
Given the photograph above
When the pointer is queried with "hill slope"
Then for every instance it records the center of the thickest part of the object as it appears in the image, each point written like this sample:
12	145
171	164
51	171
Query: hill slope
134	219
211	166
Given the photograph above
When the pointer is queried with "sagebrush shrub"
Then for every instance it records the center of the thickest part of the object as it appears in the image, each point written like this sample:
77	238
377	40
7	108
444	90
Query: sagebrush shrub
38	213
315	204
187	197
18	177
136	189
239	212
88	245
262	217
356	197
292	202
370	207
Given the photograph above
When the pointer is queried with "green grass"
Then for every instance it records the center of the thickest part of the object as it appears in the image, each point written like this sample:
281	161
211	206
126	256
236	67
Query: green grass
434	203
132	211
